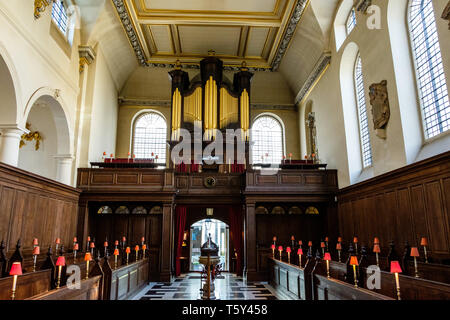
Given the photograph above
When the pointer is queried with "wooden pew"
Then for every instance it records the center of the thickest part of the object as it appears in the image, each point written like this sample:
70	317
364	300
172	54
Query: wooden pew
28	285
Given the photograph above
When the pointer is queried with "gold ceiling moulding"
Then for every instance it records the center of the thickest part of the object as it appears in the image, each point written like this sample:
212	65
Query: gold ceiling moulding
40	6
87	56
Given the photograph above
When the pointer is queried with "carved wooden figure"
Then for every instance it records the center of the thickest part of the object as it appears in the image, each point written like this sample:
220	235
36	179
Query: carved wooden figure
381	112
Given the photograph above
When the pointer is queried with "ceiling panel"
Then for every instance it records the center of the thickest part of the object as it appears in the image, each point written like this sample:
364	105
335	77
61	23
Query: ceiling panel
255	31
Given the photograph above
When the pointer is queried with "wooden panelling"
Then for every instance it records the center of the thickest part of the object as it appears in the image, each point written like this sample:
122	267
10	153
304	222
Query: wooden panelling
127	280
90	289
35	207
403	205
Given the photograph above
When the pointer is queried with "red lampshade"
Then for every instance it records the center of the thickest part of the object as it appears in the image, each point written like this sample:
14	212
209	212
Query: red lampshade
87	256
16	269
354	261
274	239
292	238
280	248
136	248
58	241
327	256
61	261
75	239
111	155
288	249
415	252
89	238
76	247
395	267
376	248
128	250
326	239
116	252
124	239
339	239
338	246
376	240
322	244
300	251
92	245
273	247
300	242
355	239
290	155
424	241
144	247
35	242
105	244
309	243
36	251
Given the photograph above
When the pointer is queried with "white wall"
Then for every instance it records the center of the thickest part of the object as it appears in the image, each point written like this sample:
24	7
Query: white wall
378	64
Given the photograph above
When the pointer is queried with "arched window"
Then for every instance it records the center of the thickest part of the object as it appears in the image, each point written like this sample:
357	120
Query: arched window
150	135
431	81
366	147
268	138
351	21
59	15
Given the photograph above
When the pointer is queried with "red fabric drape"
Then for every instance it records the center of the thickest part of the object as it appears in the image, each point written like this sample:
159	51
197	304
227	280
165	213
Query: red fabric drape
236	235
181	223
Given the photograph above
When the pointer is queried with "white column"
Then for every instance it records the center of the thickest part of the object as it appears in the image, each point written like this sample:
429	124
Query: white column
64	168
9	144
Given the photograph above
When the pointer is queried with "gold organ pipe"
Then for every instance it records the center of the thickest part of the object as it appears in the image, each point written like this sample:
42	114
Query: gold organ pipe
210	107
245	113
176	113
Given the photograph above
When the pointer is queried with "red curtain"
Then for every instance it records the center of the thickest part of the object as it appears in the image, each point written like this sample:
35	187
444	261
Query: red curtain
236	235
181	223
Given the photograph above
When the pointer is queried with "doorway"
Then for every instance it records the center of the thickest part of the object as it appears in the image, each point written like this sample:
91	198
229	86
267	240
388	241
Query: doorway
220	235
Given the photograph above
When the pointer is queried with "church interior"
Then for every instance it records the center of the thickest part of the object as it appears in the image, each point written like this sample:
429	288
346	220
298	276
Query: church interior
227	150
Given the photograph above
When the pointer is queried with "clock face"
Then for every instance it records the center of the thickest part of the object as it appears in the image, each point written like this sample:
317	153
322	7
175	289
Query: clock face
210	182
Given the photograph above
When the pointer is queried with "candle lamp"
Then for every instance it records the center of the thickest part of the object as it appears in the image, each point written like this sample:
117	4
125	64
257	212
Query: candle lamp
127	251
309	243
57	242
396	269
116	244
424	243
144	247
327	258
339	239
355	241
124	240
300	243
288	250
142	241
376	240
274	240
322	245
339	248
292	241
87	258
75	250
105	245
88	241
116	254
16	271
280	250
415	254
377	250
300	253
35	242
137	252
273	251
354	263
60	263
36	252
92	246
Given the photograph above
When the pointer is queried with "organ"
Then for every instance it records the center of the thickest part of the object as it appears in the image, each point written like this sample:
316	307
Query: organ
210	101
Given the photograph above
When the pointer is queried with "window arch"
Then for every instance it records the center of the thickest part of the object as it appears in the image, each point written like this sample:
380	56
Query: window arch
268	140
351	21
59	15
430	77
366	147
149	136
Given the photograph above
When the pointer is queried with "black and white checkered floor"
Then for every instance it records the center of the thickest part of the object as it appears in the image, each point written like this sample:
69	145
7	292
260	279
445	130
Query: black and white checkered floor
228	287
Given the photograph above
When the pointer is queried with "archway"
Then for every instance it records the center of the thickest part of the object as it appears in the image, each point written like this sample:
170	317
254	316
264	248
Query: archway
52	157
9	131
220	235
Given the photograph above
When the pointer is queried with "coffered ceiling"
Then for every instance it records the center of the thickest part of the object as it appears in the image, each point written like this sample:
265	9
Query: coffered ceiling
255	31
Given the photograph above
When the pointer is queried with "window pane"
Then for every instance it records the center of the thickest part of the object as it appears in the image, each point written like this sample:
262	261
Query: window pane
366	147
150	135
431	80
267	136
351	21
59	15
